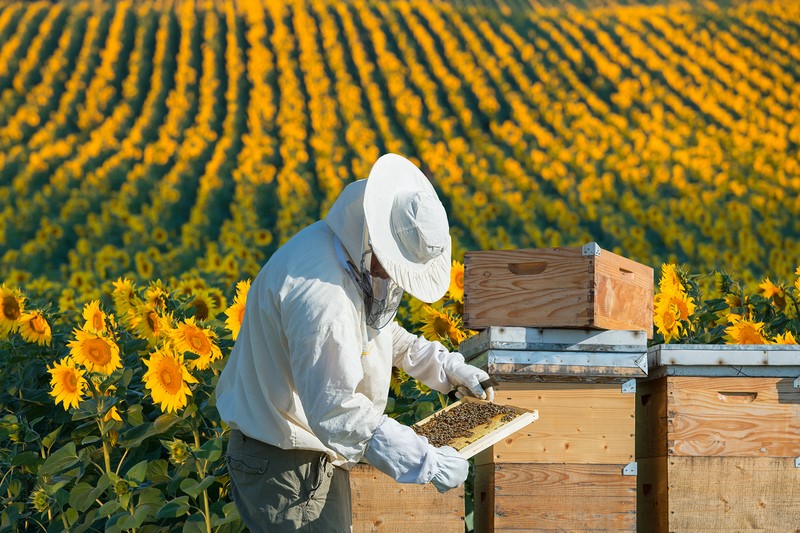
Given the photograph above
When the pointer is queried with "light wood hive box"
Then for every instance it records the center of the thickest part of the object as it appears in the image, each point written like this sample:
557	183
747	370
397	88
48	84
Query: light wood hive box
570	287
718	437
566	472
382	505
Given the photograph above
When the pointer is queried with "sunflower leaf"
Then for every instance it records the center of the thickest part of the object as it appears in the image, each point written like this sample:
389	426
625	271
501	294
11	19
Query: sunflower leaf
59	460
137	473
174	508
193	488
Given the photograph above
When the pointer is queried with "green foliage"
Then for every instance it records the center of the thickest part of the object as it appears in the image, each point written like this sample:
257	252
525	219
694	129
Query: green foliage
82	470
717	308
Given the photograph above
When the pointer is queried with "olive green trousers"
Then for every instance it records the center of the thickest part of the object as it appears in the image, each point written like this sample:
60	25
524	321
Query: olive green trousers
278	490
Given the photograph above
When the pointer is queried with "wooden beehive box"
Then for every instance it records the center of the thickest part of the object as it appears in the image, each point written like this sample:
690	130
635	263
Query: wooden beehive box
571	470
382	505
570	287
718	437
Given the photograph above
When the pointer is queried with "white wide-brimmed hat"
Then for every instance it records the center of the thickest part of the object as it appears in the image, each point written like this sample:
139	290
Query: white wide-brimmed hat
408	227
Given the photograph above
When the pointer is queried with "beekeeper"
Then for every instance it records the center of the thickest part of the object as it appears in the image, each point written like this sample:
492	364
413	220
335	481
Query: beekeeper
306	385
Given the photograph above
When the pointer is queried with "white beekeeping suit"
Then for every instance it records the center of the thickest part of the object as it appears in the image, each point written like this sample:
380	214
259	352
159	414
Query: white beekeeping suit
312	364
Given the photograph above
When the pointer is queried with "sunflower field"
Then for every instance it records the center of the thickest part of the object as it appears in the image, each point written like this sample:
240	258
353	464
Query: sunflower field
153	154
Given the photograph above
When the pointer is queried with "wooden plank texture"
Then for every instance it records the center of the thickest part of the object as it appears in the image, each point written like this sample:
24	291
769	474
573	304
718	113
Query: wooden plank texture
722	494
382	505
557	497
585	423
483	491
652	498
623	294
545	287
723	416
651	418
557	288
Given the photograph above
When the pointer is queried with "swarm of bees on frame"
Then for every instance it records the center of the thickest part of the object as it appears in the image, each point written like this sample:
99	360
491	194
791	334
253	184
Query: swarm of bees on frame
460	421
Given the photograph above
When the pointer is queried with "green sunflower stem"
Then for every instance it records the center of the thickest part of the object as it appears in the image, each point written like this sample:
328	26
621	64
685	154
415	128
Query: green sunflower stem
201	473
106	453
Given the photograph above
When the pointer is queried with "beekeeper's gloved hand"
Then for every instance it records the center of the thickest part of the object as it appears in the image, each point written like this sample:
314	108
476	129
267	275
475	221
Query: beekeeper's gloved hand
467	378
397	450
452	469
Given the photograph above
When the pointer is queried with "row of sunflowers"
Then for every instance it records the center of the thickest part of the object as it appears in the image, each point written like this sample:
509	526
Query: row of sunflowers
135	441
162	129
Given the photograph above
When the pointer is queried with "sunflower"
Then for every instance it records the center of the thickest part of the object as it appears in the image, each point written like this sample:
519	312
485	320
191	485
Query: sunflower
670	279
456	289
95	351
667	322
160	235
95	317
786	338
33	327
189	337
156	295
144	267
235	312
168	379
202	306
218	298
262	237
124	295
776	292
441	325
744	331
12	305
684	304
187	286
147	323
67	383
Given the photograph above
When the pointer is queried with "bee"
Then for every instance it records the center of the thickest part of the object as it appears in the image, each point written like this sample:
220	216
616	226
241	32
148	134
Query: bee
460	421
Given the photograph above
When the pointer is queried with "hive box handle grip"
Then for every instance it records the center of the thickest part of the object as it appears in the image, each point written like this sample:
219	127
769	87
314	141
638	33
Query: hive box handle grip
737	397
527	269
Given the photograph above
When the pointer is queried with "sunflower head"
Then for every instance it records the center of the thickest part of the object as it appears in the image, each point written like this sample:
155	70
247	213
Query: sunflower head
95	351
156	295
202	306
666	319
235	314
34	328
124	295
94	316
67	383
441	326
670	278
168	379
40	500
785	338
456	289
12	305
178	451
743	331
148	323
776	292
188	336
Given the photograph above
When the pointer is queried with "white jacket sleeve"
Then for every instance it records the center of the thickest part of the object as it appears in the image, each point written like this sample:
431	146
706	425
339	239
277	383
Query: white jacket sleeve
439	369
397	451
422	359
